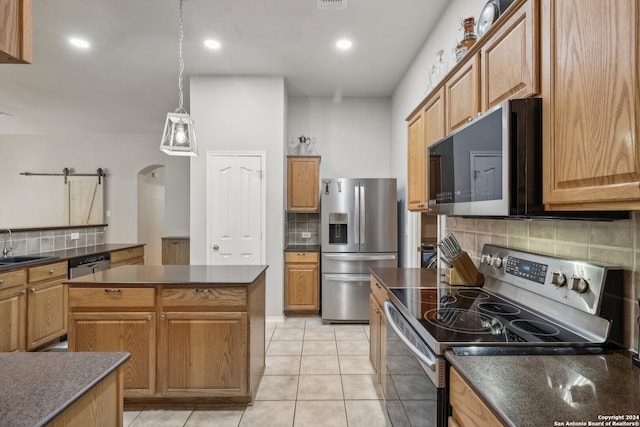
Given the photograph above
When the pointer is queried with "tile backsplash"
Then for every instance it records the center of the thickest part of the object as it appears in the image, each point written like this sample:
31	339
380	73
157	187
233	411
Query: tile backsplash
38	241
610	242
298	223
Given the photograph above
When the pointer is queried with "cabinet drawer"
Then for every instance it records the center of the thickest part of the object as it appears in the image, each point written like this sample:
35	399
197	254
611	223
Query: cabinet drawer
48	272
378	291
111	297
205	297
124	254
13	278
301	256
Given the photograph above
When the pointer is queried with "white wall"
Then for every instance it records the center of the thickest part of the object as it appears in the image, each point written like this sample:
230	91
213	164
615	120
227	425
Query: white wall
352	135
242	114
37	201
409	92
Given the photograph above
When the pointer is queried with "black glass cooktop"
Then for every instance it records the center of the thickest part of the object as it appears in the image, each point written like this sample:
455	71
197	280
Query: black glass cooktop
469	315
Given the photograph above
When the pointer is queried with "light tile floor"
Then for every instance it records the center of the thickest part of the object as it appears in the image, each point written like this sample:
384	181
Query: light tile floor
315	375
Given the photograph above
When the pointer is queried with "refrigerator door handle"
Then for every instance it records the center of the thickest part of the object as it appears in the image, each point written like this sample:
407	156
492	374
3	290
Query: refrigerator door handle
346	278
356	215
346	257
363	217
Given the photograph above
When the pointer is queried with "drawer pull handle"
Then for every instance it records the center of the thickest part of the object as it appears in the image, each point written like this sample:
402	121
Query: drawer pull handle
163	317
32	290
1	281
51	271
150	317
23	292
378	285
113	291
201	290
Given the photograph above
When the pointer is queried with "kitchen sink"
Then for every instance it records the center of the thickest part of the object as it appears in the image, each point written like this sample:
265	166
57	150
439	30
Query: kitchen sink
21	260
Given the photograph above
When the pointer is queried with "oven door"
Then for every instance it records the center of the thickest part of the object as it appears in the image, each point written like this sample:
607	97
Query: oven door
414	384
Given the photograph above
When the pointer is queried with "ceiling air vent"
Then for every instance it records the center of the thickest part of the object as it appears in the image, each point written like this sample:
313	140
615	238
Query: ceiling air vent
332	4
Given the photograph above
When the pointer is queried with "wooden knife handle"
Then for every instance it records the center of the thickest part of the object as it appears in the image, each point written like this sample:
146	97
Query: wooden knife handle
467	270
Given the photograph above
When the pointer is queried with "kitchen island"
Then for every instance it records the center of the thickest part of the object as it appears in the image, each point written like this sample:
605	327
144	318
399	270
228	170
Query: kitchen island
196	334
61	389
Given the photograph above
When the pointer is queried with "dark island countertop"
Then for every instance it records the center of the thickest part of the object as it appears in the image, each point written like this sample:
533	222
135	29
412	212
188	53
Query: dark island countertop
36	387
241	275
555	390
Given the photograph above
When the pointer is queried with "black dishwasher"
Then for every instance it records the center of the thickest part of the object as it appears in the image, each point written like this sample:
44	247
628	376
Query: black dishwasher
88	264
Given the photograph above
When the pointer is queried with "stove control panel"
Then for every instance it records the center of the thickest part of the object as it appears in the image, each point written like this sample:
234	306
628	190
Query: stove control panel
578	284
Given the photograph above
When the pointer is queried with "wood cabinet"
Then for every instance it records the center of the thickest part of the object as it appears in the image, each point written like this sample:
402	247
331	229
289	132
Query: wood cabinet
303	183
509	58
378	332
13	304
99	406
15	31
129	256
467	408
462	94
117	319
206	344
175	250
46	303
416	159
301	289
591	110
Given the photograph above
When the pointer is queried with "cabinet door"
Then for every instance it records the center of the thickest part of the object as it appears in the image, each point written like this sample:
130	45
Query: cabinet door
467	409
374	335
12	319
434	118
46	313
303	183
203	354
510	60
591	115
416	159
132	332
175	251
16	32
301	287
462	95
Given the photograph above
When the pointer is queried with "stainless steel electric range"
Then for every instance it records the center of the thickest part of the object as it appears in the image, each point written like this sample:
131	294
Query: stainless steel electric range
530	303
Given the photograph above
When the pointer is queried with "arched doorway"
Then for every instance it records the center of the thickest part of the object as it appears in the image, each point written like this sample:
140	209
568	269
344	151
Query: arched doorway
151	212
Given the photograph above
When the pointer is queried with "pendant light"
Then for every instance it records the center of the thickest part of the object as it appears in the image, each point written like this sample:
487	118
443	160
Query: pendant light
179	138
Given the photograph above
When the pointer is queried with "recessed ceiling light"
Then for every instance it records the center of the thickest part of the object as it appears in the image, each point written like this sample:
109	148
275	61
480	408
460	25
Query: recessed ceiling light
78	42
344	44
212	44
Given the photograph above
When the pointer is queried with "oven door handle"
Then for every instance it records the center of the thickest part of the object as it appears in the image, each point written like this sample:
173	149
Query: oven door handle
429	360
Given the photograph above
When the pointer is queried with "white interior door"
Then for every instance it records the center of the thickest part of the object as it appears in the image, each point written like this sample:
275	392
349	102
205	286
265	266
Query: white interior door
235	208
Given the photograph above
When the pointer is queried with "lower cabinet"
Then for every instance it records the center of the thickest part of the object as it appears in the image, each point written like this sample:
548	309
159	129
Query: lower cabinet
133	332
301	289
129	256
175	251
378	332
13	303
467	408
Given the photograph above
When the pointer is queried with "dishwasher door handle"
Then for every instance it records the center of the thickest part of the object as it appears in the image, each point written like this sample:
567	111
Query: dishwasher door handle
428	360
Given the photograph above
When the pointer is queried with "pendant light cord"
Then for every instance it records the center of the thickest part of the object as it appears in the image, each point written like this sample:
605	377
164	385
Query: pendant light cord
180	63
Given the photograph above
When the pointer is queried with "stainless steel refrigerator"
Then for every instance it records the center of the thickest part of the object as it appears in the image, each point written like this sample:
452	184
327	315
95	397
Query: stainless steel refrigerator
359	230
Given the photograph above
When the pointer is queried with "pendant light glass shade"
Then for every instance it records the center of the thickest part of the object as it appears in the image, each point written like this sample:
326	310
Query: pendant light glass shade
179	138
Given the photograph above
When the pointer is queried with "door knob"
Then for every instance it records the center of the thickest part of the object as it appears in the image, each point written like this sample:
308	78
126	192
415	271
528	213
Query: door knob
216	247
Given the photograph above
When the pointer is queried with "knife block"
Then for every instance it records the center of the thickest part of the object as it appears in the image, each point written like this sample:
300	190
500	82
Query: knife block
467	270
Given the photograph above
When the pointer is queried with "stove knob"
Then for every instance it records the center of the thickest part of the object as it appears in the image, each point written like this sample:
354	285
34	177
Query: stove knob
496	262
558	279
578	284
485	259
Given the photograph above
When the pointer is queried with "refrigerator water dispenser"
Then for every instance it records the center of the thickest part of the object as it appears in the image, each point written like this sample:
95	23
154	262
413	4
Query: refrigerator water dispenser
338	228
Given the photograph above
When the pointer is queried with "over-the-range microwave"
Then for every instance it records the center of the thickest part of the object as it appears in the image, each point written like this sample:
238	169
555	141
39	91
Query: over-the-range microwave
492	166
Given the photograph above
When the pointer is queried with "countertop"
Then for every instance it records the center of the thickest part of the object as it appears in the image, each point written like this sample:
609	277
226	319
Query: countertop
555	390
174	275
302	248
67	254
35	387
393	277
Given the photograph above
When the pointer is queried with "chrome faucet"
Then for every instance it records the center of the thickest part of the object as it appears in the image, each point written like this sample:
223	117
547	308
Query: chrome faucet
7	250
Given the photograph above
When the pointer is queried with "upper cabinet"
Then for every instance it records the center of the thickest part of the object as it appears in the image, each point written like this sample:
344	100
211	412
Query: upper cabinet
591	110
462	94
15	31
303	183
509	57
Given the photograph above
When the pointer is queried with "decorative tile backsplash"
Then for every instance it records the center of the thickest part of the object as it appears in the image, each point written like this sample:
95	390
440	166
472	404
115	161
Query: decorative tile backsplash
38	241
298	223
609	242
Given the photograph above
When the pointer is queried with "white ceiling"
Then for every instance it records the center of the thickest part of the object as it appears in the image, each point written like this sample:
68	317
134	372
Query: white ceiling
127	81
